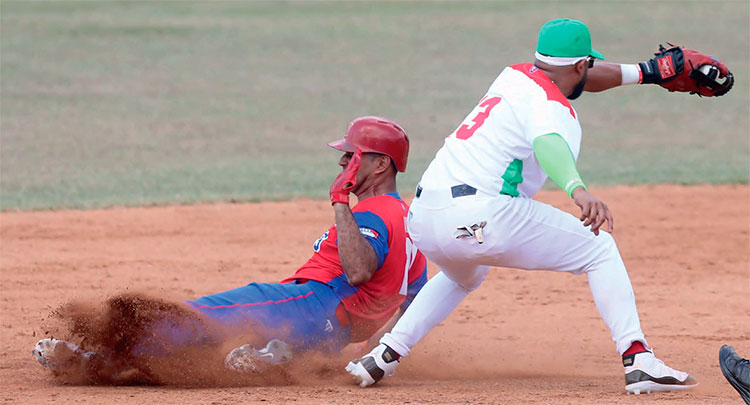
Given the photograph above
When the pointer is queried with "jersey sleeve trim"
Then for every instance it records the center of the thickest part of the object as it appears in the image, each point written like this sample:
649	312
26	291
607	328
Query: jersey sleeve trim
542	80
375	231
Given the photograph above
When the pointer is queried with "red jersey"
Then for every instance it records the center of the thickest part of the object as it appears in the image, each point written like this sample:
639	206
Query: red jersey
401	269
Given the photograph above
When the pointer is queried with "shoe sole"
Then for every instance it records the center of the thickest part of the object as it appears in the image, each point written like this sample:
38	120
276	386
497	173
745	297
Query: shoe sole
742	390
240	360
647	387
360	374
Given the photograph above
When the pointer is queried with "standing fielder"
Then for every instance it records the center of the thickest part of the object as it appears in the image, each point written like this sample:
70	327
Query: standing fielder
363	270
473	207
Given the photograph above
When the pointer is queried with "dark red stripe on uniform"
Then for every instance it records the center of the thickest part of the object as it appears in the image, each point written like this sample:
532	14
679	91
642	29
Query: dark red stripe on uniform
256	303
549	87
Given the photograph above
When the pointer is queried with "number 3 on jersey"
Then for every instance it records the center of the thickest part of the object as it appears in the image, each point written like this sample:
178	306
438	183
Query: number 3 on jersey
465	131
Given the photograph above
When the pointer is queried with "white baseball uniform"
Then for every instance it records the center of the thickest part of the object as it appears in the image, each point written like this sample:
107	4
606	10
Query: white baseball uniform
487	172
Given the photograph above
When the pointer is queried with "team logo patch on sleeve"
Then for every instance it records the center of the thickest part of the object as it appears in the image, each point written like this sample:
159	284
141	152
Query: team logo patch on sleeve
368	232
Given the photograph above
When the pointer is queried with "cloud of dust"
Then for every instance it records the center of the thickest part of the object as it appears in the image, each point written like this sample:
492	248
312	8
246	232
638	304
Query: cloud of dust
130	335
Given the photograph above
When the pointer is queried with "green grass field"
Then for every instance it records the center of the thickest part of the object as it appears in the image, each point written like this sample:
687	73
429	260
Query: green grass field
152	102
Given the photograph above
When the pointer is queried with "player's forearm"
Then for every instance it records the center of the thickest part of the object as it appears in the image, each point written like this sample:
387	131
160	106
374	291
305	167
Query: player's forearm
603	76
553	154
375	339
356	255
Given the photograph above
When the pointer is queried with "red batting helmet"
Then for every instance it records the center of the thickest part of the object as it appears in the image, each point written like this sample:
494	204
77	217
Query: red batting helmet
378	135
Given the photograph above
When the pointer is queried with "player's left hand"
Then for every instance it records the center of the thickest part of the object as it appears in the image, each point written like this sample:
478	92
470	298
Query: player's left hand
685	70
593	211
346	180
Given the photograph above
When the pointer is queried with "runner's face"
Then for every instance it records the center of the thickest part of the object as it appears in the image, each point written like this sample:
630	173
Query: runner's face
365	166
344	160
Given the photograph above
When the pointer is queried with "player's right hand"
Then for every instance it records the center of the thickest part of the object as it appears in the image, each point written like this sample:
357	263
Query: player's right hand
593	211
346	180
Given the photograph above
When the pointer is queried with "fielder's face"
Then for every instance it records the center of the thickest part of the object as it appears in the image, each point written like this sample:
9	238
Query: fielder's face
578	89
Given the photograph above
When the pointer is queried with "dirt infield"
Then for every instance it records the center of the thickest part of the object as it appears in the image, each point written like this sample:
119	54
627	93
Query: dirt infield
523	337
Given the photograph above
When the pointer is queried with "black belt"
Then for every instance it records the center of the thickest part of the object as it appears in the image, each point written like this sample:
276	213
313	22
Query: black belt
460	190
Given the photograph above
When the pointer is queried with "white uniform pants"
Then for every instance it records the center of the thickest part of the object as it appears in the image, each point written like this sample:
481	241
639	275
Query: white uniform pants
520	233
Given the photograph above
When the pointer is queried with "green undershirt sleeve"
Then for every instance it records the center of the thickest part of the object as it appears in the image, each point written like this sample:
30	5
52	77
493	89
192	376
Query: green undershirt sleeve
555	157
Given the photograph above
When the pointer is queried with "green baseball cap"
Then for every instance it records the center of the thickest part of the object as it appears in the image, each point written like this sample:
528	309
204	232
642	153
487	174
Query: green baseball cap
566	38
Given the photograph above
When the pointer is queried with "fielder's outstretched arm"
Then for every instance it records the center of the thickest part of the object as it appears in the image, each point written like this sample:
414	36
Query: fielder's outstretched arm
604	76
677	69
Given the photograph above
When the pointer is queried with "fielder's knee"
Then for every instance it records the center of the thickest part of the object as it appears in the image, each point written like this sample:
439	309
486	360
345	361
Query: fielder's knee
605	250
469	279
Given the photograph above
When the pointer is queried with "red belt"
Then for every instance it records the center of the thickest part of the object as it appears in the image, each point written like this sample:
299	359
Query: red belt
342	315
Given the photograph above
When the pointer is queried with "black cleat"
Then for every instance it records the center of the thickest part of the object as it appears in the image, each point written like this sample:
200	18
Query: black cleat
736	370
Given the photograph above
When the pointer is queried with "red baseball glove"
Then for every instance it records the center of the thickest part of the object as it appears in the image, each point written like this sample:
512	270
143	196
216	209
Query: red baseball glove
346	180
685	70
